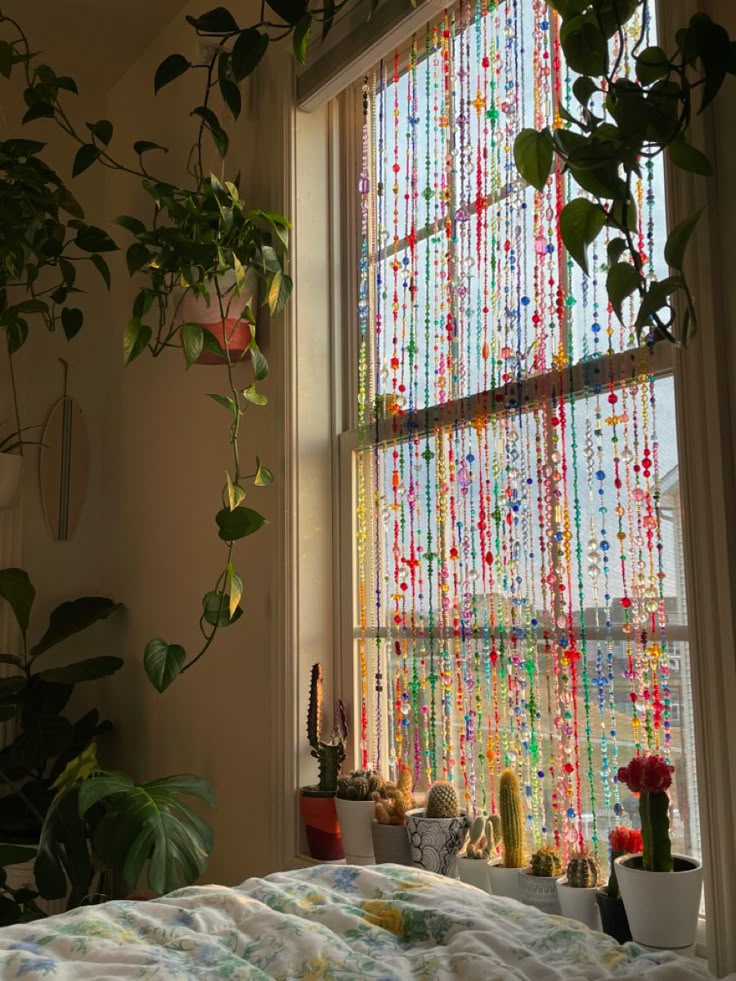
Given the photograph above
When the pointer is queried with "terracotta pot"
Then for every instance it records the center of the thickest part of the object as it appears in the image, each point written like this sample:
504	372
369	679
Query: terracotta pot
613	916
578	903
504	882
435	842
391	843
238	331
539	891
356	818
11	466
474	872
320	822
662	907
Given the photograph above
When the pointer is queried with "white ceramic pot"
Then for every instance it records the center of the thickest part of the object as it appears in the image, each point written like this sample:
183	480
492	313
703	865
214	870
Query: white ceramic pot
539	891
579	903
435	842
662	907
11	466
504	882
355	818
391	843
475	872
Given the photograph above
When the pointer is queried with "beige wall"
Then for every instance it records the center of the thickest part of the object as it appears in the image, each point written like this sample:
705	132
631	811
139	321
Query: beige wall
165	456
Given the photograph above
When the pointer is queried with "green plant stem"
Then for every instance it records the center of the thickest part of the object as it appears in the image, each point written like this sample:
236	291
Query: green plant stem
16	408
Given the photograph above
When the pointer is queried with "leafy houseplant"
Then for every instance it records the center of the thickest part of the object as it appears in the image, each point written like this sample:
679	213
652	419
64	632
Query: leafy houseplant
576	891
505	875
318	803
623	121
661	892
78	819
622	841
437	832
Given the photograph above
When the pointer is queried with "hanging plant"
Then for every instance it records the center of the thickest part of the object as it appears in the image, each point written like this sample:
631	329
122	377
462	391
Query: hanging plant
621	122
202	244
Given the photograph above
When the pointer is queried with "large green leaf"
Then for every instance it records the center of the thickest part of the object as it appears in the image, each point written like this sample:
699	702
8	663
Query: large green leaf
239	523
163	662
533	152
219	20
677	240
135	339
64	860
192	342
621	282
688	157
90	670
169	69
580	224
72	617
248	51
17	589
584	44
216	610
150	823
16	854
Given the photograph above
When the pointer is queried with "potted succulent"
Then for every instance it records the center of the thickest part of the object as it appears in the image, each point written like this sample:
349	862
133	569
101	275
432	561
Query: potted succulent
576	890
357	794
437	831
661	891
481	848
317	804
390	838
538	882
622	841
505	873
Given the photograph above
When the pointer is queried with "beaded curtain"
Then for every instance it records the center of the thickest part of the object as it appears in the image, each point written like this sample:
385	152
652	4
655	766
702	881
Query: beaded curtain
512	563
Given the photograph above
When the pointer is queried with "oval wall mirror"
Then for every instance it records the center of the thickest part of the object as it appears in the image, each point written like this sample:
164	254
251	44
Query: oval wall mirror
64	468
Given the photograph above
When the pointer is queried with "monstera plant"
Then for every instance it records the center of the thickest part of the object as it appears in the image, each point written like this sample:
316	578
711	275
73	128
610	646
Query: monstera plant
623	120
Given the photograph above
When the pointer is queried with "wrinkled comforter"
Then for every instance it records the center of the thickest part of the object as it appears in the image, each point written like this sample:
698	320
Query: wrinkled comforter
332	922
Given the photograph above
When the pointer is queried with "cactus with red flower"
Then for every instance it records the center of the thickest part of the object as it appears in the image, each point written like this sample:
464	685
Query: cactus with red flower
623	841
651	778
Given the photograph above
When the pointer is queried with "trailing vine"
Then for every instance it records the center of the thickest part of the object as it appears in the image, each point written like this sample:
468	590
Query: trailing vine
622	121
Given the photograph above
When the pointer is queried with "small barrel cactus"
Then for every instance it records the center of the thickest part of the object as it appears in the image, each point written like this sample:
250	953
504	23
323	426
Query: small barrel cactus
583	871
442	801
361	785
546	862
512	824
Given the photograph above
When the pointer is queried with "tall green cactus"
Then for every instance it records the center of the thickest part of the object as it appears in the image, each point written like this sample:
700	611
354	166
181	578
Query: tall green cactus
655	831
512	823
329	755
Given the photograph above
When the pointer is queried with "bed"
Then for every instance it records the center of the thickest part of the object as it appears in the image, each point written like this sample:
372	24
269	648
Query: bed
332	922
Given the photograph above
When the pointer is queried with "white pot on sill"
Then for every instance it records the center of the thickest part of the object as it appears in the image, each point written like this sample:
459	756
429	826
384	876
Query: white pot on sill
662	907
355	818
579	903
504	882
11	467
474	872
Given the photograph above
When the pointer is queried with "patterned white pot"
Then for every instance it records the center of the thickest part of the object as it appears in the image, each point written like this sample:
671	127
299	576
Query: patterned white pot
355	818
578	903
504	882
539	891
474	872
435	842
662	907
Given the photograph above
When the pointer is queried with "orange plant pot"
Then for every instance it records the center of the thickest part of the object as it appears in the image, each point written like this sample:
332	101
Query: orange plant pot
323	831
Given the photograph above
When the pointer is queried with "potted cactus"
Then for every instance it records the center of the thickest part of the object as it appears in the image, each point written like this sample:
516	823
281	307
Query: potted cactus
390	838
357	794
538	882
576	890
317	804
661	891
505	873
622	841
481	848
437	831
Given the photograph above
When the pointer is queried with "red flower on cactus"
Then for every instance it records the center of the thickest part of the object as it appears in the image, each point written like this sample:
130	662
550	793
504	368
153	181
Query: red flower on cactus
625	840
647	774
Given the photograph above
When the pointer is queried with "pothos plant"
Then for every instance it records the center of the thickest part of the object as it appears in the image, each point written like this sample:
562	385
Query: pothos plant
621	122
199	240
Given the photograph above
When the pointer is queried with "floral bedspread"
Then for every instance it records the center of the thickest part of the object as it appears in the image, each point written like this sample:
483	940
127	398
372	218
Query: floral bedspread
333	922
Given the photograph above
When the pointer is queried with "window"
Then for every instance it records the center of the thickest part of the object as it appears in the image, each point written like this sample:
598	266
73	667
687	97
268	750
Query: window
519	595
